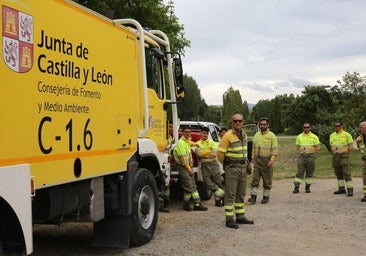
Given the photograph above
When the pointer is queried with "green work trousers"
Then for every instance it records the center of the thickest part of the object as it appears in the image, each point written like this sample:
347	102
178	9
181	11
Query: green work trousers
211	175
305	167
235	189
261	170
341	166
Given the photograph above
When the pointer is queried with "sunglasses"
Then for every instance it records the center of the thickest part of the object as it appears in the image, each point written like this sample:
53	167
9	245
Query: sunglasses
337	125
306	127
237	121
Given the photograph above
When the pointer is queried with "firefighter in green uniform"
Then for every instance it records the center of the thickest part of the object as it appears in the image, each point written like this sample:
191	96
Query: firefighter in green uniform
232	152
183	158
341	143
206	151
361	144
165	182
264	154
307	143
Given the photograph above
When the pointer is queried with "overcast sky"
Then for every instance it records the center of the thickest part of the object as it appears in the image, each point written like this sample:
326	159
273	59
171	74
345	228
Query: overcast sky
271	47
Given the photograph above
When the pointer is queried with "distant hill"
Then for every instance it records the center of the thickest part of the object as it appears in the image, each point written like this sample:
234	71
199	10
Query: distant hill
251	105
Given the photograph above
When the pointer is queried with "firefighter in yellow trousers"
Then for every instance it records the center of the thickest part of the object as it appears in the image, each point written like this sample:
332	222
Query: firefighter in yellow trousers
264	154
183	158
232	152
206	151
341	143
361	144
307	143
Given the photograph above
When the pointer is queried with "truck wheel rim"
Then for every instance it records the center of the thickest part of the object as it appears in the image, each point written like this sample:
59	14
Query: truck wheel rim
146	207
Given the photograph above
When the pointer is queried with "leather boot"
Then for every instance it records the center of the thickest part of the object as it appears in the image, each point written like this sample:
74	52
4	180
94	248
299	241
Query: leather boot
244	221
187	207
164	207
200	207
307	188
265	200
349	191
218	202
363	199
296	189
341	190
252	199
231	224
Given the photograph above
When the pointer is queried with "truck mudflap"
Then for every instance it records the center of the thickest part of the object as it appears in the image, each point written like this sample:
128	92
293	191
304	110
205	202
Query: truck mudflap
15	189
137	226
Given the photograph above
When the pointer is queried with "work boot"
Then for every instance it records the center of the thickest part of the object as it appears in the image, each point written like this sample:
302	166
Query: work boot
244	221
252	199
296	189
187	207
363	199
265	200
307	188
200	207
231	224
218	202
341	190
164	207
349	191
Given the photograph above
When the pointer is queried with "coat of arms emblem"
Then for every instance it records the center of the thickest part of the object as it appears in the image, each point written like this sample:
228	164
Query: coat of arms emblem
17	31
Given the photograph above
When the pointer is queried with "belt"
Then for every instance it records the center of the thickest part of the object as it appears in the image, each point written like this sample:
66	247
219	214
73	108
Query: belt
241	161
207	160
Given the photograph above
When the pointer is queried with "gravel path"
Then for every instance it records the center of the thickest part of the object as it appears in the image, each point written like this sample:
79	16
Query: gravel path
318	223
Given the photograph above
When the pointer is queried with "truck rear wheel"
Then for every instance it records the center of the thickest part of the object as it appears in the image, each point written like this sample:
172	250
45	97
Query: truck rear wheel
144	207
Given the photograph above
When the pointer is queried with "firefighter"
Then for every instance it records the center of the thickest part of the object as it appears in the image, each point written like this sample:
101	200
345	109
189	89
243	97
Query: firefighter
183	158
341	143
165	182
307	144
264	154
361	143
206	151
232	152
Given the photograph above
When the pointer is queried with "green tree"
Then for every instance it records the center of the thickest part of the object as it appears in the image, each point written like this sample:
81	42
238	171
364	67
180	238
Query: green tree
213	114
152	14
316	106
232	103
245	110
189	108
350	93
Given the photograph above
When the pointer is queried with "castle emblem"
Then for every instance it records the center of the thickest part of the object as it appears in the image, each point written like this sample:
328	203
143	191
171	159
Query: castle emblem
17	32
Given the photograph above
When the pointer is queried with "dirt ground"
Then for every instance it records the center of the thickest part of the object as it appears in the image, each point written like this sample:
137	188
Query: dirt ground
318	223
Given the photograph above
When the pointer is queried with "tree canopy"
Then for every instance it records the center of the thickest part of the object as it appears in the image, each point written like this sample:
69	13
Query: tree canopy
153	14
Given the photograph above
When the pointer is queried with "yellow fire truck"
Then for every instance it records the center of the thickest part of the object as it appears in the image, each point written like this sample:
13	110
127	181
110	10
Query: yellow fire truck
84	106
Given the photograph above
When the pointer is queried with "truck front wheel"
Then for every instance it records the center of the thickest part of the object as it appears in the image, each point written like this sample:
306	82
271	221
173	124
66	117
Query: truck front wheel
144	207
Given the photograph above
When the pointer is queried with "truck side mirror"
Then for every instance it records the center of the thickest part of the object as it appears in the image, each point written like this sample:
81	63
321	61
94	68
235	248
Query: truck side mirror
178	77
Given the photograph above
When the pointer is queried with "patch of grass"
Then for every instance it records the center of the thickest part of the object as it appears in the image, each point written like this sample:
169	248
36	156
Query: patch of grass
285	166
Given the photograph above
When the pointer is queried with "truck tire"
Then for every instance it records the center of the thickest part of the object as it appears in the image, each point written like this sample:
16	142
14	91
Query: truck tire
205	193
144	207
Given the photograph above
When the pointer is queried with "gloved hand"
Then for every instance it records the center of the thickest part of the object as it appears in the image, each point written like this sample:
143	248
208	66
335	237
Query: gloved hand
250	168
189	169
363	157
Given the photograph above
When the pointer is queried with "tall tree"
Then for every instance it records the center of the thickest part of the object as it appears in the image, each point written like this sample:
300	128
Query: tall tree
232	103
189	108
153	14
213	114
350	92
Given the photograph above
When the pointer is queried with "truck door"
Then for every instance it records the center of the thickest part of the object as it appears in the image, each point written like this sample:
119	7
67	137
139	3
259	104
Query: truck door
156	98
